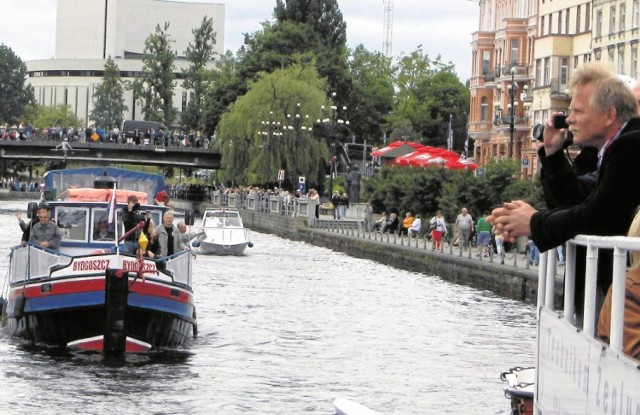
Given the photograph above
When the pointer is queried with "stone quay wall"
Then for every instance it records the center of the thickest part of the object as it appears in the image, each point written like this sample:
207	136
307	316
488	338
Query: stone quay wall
511	280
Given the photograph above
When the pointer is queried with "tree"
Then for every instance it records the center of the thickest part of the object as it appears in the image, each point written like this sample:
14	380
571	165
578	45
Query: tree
109	107
155	87
372	98
199	54
58	115
252	137
224	87
15	94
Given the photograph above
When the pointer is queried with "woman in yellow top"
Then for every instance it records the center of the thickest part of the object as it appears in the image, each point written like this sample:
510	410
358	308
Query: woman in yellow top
406	224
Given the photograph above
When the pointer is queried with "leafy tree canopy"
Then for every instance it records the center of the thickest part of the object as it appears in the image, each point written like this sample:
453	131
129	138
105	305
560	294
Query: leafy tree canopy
109	107
252	135
15	94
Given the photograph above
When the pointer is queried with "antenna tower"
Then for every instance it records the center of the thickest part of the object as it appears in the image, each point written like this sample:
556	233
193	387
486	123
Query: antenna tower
388	28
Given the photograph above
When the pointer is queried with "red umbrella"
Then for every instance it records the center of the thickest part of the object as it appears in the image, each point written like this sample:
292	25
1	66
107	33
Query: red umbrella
420	156
394	145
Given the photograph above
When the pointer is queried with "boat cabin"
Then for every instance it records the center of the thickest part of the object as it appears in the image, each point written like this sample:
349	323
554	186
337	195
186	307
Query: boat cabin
222	219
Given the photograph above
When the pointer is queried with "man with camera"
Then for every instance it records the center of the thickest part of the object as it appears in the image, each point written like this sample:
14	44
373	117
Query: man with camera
131	217
602	115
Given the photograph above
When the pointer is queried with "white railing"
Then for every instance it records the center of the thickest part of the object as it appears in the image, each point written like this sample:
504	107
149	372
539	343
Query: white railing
30	262
575	371
180	267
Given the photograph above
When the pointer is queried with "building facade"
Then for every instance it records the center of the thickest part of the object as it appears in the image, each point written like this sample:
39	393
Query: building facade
90	31
560	36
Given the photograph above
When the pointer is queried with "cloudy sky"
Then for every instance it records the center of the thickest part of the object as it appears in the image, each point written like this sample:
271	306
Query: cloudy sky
441	27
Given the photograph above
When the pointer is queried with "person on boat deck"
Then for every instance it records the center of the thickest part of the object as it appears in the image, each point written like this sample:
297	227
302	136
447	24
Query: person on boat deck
25	227
169	236
153	246
131	217
631	322
103	233
603	114
45	233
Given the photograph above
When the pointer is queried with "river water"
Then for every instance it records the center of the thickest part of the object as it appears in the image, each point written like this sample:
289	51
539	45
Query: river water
286	329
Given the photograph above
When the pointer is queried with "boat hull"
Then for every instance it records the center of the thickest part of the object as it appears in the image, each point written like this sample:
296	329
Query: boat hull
212	248
75	313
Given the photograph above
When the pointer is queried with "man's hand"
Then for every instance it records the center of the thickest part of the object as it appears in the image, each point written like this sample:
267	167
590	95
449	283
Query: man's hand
553	138
512	219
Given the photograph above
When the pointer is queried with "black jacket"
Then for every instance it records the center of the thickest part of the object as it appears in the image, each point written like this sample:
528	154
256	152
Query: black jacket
603	207
131	220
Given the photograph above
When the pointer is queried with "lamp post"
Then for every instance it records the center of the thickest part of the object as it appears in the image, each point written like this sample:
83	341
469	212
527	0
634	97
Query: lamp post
512	111
270	129
297	129
333	123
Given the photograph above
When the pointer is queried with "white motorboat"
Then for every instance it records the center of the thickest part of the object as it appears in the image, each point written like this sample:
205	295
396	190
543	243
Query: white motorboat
222	233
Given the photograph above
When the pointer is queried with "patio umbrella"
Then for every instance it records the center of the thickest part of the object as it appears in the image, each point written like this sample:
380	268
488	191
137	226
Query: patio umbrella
394	146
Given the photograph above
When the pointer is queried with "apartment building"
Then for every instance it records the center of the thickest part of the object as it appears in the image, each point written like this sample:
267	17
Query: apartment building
561	36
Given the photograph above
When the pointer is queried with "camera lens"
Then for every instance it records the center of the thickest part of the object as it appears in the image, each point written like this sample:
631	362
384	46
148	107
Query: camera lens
538	132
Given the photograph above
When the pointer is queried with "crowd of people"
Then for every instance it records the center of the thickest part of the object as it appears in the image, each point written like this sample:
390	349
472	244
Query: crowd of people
17	184
97	134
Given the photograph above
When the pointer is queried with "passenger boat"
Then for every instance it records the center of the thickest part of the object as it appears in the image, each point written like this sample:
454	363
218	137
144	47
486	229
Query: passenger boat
222	233
575	371
88	295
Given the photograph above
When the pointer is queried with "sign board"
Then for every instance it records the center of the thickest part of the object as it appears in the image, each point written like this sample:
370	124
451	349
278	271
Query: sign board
576	375
525	162
280	175
479	172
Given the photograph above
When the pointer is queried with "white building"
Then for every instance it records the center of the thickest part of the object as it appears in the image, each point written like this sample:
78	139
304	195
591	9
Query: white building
90	31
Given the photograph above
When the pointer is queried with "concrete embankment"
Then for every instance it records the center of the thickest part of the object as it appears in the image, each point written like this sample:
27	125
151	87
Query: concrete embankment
512	281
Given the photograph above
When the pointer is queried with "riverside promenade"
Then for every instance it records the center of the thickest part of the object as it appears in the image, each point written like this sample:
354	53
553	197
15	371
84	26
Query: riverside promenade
510	277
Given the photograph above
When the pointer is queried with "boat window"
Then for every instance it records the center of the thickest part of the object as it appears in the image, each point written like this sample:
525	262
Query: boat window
212	222
233	222
73	222
101	229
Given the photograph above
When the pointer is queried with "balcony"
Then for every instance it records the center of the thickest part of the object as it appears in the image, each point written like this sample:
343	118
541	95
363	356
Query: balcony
558	90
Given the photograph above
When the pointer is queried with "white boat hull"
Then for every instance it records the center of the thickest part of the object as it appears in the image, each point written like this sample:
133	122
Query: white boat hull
222	233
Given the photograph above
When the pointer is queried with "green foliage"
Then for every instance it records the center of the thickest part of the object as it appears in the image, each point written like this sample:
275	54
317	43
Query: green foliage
428	91
15	94
199	54
372	97
155	87
252	139
59	115
109	107
426	190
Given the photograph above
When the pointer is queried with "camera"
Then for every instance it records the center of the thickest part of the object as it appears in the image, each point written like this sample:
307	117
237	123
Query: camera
559	122
136	207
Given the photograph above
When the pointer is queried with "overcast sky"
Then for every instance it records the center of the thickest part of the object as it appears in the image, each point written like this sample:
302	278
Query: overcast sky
442	27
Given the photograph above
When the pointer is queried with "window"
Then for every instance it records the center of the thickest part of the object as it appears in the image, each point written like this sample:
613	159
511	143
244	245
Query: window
611	53
73	222
484	109
587	57
538	72
578	19
576	62
560	22
515	46
635	14
633	70
547	68
587	17
550	31
566	22
184	101
564	73
100	229
486	56
598	23
541	25
623	12
612	19
620	66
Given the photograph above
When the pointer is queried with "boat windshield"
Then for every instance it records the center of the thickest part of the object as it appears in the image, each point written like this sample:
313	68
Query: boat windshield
222	220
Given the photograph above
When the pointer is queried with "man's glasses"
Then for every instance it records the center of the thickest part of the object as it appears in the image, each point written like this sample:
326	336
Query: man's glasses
43	217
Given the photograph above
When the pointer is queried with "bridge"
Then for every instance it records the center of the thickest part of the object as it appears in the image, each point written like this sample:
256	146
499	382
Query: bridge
108	153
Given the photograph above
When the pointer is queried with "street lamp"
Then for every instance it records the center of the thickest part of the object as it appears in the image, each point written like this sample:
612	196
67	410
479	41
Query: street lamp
333	123
512	111
298	129
270	129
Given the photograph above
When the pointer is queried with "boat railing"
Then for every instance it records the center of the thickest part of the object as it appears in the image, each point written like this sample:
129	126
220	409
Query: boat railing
32	261
574	368
180	267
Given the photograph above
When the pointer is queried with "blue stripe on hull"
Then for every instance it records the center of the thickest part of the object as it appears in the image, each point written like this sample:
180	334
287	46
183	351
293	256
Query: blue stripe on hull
96	298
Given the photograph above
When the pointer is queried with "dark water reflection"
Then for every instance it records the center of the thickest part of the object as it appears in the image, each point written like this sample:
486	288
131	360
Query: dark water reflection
287	329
